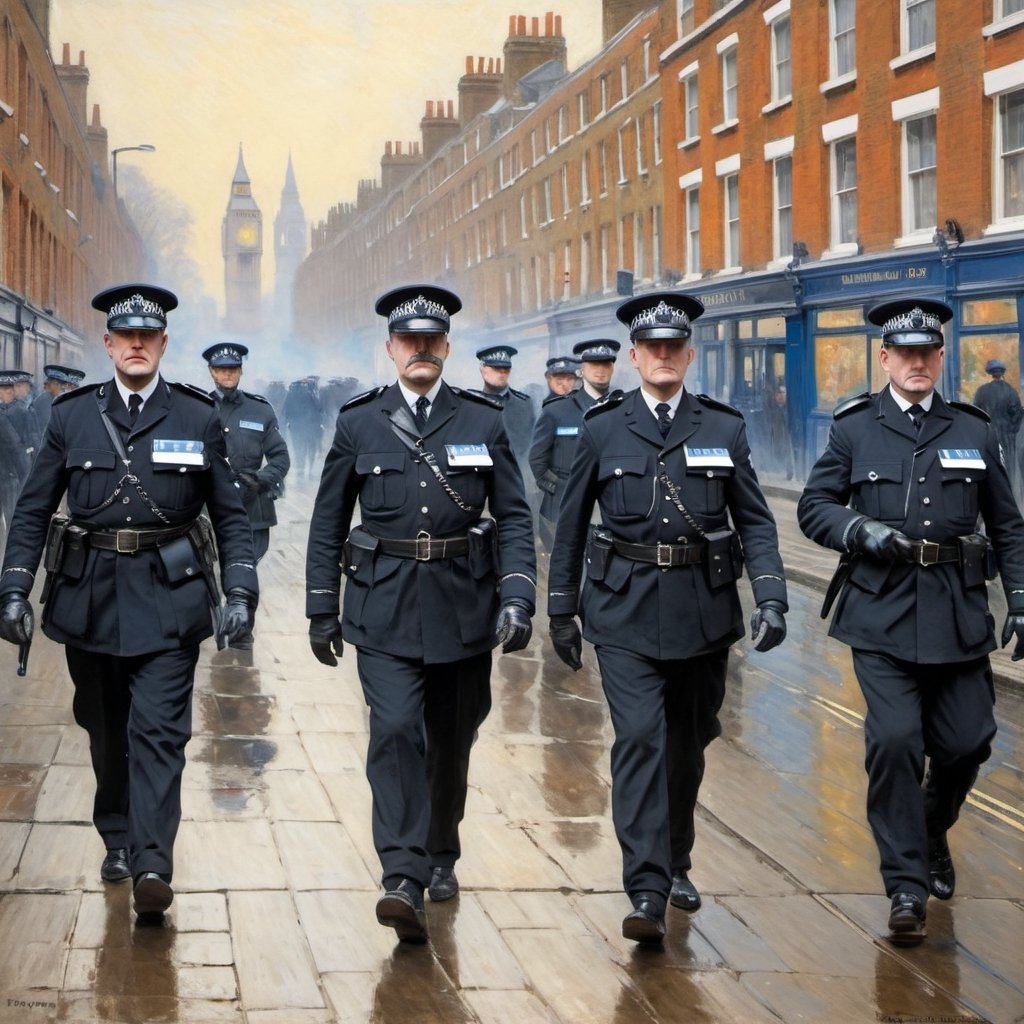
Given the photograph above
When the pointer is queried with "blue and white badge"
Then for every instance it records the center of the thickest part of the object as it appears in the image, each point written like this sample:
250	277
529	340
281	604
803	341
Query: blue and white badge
250	425
468	455
567	431
178	453
961	458
711	458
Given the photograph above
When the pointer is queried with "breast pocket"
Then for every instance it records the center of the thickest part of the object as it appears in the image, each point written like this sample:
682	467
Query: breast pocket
878	489
381	473
471	484
177	486
960	494
708	484
92	478
627	485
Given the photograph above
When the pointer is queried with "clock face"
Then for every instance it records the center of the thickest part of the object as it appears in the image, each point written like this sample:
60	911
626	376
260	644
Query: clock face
246	234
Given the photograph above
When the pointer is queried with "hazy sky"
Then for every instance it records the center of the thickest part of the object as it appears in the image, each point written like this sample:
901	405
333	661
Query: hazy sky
328	80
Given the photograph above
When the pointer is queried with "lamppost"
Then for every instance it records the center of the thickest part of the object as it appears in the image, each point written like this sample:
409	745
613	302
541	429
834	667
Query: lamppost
145	147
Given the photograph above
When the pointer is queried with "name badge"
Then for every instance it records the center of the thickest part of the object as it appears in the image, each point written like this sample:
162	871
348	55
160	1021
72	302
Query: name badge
567	431
468	455
961	458
710	457
179	453
250	425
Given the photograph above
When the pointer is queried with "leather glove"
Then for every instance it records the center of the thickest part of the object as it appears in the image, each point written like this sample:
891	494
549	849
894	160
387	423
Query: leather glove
567	641
238	617
513	630
768	625
325	638
882	542
1014	626
250	484
16	618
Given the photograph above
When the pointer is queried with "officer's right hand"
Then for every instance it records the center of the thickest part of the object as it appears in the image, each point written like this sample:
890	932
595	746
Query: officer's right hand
16	618
325	638
883	542
1014	626
567	641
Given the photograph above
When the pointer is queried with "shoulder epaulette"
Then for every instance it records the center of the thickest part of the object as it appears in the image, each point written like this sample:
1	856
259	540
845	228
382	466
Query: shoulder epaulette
365	397
972	409
192	391
713	403
603	405
519	394
554	398
852	405
476	396
258	398
82	389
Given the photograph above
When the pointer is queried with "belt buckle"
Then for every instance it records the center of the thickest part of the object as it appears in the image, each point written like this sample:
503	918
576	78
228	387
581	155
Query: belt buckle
928	559
132	547
423	546
664	555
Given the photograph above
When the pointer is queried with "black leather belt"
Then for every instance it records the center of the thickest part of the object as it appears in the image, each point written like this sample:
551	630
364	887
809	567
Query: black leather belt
664	555
928	552
127	542
424	548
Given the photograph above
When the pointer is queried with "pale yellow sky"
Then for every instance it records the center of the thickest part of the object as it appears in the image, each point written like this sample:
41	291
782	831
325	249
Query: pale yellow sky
328	80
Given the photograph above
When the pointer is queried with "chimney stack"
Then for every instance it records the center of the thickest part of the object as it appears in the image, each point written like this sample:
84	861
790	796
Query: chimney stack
438	127
74	79
479	90
526	52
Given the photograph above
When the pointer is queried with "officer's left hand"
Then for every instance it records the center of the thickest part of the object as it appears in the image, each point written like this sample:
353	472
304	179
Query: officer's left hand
768	625
513	630
237	618
1014	626
16	618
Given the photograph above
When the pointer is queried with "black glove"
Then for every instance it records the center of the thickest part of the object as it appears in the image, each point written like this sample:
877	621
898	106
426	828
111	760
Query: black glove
1014	626
882	542
567	641
325	638
768	625
16	618
250	484
548	481
238	617
513	629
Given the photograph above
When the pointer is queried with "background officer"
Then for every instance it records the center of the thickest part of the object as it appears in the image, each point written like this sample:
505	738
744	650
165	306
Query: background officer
495	369
1000	400
558	427
431	586
256	450
898	491
15	388
14	465
562	374
303	414
57	380
126	593
678	497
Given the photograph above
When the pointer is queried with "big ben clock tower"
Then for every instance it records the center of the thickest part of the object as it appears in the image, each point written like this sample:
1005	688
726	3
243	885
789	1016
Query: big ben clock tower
242	246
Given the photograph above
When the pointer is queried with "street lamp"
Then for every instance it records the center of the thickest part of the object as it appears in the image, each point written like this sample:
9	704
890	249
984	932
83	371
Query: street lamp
144	148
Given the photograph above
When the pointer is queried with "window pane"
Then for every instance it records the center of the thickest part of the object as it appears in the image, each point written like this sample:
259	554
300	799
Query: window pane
729	106
976	350
920	23
978	312
840	367
1012	7
783	67
693	230
844	36
921	172
691	107
772	327
845	158
852	316
1011	134
784	205
732	214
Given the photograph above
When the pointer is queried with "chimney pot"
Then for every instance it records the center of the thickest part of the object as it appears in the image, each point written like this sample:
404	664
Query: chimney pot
535	27
549	24
479	65
521	25
451	109
469	65
398	148
81	58
430	108
96	123
558	24
66	58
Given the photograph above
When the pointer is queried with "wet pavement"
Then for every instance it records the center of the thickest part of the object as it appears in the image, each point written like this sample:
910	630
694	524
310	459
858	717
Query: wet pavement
276	877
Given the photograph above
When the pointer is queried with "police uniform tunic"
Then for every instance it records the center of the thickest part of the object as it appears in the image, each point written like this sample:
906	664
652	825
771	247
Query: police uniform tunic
898	616
423	629
554	445
653	625
517	409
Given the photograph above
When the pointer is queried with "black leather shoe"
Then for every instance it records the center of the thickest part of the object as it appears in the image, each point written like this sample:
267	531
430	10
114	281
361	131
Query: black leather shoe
646	922
115	866
906	919
443	885
941	873
401	908
153	895
684	893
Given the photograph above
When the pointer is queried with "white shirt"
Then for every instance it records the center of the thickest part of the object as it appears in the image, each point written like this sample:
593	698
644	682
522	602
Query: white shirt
925	403
144	394
411	398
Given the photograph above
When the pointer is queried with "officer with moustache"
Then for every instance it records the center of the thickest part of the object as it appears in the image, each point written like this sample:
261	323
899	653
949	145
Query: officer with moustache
431	586
558	427
898	491
131	576
680	509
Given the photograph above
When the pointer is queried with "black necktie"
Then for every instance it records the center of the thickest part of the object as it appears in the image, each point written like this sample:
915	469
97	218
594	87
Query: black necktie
134	401
421	412
664	423
916	414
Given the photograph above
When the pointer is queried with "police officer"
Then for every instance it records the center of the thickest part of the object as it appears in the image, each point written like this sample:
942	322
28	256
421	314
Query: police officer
303	414
430	588
126	590
14	465
495	369
562	374
256	450
898	491
15	391
678	498
56	380
558	427
1000	400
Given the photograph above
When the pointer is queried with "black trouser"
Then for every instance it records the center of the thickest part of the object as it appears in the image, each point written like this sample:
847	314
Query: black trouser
942	711
664	714
138	714
260	543
423	720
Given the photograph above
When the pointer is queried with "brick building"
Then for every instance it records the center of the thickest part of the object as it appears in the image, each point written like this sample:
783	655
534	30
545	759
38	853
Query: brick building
64	235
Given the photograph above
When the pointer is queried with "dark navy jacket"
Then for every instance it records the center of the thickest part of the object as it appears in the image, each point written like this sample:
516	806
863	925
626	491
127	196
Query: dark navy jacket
554	445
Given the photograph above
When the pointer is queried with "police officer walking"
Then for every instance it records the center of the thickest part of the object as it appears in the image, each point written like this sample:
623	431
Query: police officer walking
14	465
1000	400
431	586
303	414
129	574
15	388
680	508
57	380
256	450
495	370
558	427
562	374
898	491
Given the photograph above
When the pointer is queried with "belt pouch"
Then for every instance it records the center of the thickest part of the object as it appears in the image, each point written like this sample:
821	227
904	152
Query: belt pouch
483	556
973	548
359	552
73	552
724	558
180	561
599	553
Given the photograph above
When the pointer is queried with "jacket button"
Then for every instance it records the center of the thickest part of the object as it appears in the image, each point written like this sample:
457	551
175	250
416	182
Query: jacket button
967	479
926	501
87	464
424	510
920	479
874	476
183	469
711	473
125	500
927	522
618	472
423	483
131	447
376	470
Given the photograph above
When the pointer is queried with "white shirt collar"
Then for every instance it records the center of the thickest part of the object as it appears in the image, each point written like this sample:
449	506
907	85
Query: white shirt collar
144	394
673	403
411	396
925	403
